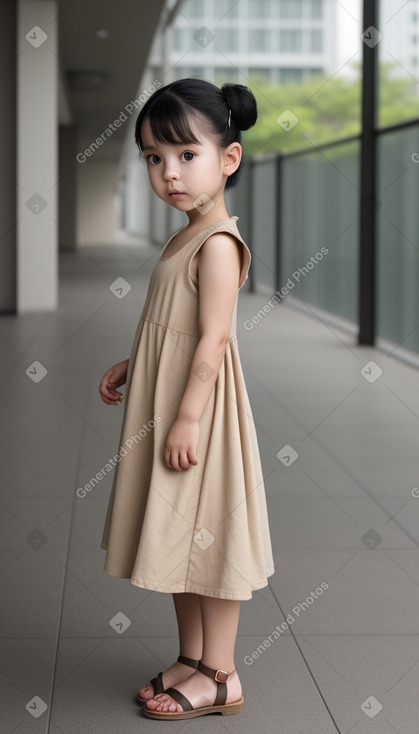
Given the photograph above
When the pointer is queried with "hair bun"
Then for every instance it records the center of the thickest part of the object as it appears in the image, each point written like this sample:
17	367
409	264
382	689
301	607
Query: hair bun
242	104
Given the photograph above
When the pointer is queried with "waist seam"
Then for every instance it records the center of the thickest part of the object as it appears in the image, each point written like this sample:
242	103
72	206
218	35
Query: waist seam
178	331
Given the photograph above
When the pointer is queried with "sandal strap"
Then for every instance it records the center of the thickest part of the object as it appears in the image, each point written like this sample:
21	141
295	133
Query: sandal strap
221	684
188	661
180	698
157	684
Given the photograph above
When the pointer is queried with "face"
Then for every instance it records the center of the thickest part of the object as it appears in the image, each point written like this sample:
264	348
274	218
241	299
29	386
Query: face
189	175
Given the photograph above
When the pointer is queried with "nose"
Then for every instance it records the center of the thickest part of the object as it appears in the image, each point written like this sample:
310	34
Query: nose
170	172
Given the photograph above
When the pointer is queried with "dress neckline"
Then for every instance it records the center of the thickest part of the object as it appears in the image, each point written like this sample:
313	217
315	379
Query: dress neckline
166	259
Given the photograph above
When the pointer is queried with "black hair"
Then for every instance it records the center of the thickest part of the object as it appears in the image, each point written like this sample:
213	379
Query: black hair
169	107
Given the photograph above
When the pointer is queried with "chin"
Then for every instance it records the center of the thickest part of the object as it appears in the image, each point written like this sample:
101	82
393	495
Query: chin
183	206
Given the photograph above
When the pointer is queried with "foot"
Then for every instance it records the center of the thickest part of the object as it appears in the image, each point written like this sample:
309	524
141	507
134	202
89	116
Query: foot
175	674
199	689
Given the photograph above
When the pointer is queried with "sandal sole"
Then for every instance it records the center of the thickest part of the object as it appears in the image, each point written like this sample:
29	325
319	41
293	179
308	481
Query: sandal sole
227	709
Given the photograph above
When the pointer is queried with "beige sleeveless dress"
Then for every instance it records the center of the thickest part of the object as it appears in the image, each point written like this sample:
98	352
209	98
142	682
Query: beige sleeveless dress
204	529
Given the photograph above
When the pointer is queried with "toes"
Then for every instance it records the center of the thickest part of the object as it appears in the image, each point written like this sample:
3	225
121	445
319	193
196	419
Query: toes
145	692
152	704
163	702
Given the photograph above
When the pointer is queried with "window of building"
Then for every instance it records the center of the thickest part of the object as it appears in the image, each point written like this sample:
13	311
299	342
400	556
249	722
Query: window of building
226	9
183	38
196	71
226	39
316	41
290	40
291	8
259	8
312	72
181	72
194	8
290	76
275	42
316	8
258	40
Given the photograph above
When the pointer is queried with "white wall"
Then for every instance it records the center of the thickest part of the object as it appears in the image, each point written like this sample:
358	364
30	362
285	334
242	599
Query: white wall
37	155
137	198
97	209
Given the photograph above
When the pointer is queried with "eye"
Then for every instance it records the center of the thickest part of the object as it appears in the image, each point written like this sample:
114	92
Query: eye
151	159
188	153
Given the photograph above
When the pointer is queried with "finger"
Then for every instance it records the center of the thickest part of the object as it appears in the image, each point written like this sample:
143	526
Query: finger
174	460
115	394
183	460
192	457
108	402
108	398
110	394
167	458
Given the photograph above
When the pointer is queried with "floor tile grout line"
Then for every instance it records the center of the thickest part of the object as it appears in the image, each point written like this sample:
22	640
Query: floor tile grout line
305	661
67	555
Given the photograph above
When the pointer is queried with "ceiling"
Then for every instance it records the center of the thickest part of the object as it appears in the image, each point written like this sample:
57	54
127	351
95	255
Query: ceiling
99	77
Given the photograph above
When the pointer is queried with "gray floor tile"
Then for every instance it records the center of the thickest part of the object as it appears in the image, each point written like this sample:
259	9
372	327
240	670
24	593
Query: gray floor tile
351	669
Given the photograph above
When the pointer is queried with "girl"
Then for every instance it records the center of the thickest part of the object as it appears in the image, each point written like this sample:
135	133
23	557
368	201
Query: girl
187	513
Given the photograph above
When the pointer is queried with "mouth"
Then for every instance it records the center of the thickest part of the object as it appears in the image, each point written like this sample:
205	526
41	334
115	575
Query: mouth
176	193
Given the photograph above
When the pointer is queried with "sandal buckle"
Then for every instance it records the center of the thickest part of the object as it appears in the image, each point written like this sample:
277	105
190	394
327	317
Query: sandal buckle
221	680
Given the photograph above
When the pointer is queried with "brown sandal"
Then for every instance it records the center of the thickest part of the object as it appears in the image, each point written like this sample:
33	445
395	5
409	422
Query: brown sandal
219	706
157	682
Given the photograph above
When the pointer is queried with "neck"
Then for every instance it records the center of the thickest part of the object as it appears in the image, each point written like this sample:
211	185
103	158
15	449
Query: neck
200	218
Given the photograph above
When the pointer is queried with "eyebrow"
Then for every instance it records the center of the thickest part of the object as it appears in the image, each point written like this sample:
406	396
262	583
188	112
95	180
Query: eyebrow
153	147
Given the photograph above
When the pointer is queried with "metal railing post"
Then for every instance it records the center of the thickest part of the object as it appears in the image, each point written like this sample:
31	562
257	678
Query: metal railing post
250	200
278	221
368	203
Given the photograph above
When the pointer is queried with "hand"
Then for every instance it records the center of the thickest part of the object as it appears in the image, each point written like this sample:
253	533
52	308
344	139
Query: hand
113	378
181	443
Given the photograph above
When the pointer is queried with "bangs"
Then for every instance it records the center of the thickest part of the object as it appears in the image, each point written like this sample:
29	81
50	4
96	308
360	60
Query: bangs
169	120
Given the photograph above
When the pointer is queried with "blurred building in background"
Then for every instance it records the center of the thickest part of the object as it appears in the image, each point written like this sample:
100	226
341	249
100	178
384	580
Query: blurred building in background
280	40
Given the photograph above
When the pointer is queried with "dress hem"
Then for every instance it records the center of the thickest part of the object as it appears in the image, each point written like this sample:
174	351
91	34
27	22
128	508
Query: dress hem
191	588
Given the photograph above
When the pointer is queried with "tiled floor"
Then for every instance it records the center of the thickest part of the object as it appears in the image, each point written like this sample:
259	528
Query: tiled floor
343	514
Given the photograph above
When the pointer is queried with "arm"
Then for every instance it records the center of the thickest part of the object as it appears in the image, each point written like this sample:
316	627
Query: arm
219	268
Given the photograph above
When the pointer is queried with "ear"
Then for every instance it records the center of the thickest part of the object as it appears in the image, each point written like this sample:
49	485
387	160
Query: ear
232	156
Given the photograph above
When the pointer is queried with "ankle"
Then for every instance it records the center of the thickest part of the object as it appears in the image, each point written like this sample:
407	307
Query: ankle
228	667
189	658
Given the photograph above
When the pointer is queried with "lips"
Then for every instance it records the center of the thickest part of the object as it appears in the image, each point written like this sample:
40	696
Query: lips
176	192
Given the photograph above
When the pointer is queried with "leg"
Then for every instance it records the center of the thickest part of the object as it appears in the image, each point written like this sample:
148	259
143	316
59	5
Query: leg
220	618
188	613
189	621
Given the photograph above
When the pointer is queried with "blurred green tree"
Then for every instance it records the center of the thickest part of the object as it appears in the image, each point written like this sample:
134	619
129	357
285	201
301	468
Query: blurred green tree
328	108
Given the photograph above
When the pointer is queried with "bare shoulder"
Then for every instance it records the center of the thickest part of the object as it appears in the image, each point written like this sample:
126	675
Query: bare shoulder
222	245
219	280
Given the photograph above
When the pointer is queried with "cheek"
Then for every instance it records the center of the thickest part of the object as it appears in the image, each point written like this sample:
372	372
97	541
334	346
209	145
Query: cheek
153	176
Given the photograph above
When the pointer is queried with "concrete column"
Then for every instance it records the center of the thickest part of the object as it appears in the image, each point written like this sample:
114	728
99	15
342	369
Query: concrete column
37	155
67	187
8	157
